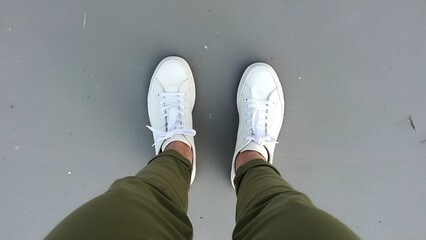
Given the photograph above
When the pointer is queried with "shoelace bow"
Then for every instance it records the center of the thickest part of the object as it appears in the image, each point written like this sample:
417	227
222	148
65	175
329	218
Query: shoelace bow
173	104
261	115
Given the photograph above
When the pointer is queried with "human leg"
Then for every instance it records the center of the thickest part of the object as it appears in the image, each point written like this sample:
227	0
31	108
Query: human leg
269	208
150	205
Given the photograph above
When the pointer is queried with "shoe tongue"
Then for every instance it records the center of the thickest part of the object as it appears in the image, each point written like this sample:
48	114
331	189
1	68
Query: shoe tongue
173	117
258	148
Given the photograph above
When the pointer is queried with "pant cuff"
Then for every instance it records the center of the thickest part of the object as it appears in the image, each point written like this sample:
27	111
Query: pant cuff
242	170
174	154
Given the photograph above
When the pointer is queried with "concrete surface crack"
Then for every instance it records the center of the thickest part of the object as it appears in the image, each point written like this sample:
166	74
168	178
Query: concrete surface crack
411	122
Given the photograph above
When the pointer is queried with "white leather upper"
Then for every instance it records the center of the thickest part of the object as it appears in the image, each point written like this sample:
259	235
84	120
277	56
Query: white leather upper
260	103
171	98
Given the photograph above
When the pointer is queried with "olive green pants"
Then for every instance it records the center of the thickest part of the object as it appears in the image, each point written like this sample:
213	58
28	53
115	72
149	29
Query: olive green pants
153	205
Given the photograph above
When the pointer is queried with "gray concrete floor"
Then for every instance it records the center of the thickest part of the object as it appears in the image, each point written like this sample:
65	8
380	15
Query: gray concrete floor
73	104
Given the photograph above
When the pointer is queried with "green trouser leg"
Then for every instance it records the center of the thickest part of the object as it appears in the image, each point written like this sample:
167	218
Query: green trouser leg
150	205
269	208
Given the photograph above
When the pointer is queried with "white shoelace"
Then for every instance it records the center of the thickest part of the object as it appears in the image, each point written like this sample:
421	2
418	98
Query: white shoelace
173	106
261	115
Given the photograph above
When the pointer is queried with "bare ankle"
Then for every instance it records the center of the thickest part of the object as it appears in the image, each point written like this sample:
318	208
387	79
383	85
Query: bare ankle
181	148
247	156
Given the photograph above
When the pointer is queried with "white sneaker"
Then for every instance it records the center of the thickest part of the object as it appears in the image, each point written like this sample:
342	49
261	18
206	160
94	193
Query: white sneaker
171	98
260	103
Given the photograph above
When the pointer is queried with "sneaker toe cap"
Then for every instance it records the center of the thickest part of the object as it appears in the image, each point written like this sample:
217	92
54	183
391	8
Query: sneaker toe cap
171	76
260	75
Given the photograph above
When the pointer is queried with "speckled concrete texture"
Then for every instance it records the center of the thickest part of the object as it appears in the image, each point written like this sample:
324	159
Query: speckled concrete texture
74	77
